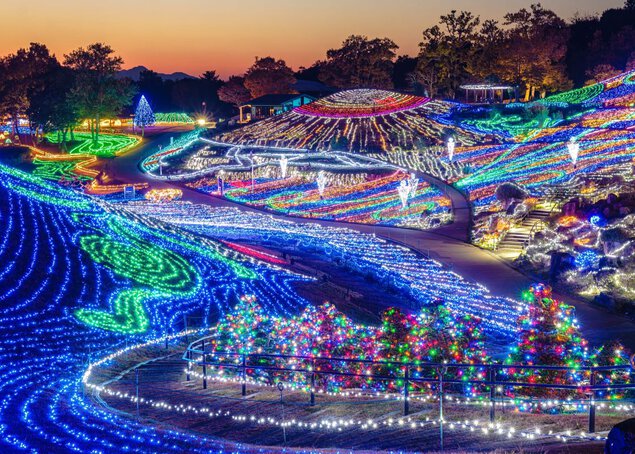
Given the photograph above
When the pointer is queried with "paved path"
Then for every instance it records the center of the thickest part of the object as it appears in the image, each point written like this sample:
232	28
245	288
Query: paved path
447	244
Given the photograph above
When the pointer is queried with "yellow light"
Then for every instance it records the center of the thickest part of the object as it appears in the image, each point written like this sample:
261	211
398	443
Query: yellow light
201	121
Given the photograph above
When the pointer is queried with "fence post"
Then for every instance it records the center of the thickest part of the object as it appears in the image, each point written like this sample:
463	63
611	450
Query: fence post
313	383
406	403
204	366
244	376
189	364
592	403
136	381
492	394
441	372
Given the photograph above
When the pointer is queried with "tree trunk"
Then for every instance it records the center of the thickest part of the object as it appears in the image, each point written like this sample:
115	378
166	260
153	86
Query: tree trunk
14	124
527	93
64	147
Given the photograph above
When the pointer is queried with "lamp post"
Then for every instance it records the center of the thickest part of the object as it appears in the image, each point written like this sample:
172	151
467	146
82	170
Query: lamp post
284	163
451	145
574	150
404	192
321	182
284	428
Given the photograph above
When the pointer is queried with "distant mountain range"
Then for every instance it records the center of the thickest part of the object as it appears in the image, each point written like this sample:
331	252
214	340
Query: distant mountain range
134	73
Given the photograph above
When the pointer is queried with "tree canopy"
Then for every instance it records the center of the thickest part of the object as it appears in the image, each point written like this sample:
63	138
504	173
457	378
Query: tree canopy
360	62
447	50
21	77
269	76
234	91
97	92
534	51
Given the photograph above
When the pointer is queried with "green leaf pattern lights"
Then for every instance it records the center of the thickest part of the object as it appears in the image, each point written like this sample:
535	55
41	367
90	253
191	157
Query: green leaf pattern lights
173	118
56	170
143	263
108	145
128	316
162	272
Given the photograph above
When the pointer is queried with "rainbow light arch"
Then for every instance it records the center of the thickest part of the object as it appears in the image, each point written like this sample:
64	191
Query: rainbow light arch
361	103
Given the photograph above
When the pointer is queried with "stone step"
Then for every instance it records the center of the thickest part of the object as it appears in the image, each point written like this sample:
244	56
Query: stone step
516	236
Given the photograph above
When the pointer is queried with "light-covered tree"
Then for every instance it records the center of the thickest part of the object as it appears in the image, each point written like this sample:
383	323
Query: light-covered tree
143	116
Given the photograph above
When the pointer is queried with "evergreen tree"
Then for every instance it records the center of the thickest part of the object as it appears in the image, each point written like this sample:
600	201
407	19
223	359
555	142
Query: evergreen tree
549	335
143	116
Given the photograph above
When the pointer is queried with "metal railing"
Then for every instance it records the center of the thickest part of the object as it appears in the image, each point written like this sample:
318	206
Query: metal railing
199	354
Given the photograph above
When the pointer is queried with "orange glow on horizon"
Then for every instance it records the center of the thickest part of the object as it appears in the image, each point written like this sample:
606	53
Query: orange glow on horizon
200	35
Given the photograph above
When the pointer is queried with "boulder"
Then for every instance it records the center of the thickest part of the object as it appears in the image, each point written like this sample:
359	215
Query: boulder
605	300
621	438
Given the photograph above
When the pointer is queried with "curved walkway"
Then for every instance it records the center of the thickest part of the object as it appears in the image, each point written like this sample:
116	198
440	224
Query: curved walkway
448	244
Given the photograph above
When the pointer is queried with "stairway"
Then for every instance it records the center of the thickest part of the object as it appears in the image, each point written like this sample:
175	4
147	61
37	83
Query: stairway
517	237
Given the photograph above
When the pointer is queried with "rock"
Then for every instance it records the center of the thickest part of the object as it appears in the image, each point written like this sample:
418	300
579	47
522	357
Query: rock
621	438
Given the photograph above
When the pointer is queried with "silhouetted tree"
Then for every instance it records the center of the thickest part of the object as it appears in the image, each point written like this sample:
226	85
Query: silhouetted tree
360	63
535	49
50	108
447	51
269	76
487	52
21	75
155	88
234	92
600	73
98	93
403	67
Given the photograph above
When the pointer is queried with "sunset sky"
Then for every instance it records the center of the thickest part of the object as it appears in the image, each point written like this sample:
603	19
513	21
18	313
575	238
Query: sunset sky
197	35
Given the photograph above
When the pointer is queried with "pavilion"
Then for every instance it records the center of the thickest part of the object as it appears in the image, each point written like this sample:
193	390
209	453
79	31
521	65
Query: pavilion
269	105
487	93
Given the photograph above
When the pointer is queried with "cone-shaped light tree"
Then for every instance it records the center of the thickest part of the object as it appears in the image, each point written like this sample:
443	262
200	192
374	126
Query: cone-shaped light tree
143	116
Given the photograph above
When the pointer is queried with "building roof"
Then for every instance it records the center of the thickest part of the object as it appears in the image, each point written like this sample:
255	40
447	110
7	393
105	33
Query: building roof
275	100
